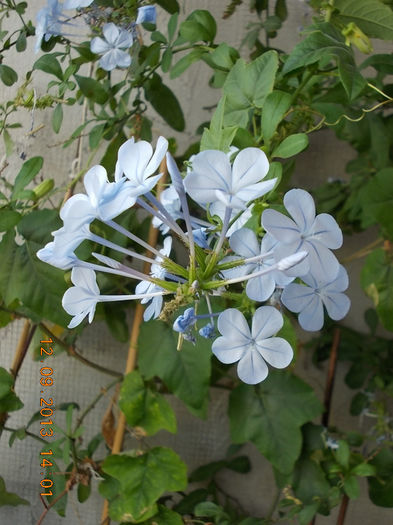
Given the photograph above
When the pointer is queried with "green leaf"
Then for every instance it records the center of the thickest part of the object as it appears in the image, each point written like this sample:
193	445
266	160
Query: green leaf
143	408
309	481
95	135
199	25
8	143
343	453
172	6
324	42
37	285
186	372
92	89
165	516
9	498
380	200
21	42
364	469
270	416
8	75
381	488
172	25
9	401
186	61
141	480
377	281
57	118
166	60
26	174
209	509
291	145
49	64
351	487
372	16
83	492
206	472
280	10
218	137
6	382
164	102
276	105
8	219
110	156
247	86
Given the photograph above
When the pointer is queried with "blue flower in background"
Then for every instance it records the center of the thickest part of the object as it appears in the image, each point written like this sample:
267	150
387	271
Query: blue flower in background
112	47
147	14
77	4
48	22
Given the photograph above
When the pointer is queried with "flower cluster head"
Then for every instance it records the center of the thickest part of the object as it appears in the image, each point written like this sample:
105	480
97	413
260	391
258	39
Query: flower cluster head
223	253
112	47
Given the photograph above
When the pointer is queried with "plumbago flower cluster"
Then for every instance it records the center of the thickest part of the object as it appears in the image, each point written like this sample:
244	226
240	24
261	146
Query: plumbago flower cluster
225	187
57	19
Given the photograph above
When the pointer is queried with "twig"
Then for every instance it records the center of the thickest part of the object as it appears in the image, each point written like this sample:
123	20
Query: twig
343	510
330	378
52	503
132	351
71	351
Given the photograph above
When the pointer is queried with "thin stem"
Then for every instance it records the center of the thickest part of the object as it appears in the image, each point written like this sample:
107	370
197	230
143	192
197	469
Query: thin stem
114	246
362	252
133	237
302	84
28	433
343	510
330	377
175	227
224	229
111	298
163	218
73	353
52	503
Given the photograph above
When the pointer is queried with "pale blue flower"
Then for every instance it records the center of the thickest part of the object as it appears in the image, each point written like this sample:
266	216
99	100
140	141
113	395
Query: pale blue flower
212	180
137	162
208	331
309	300
184	322
146	13
314	234
48	22
104	200
81	300
147	287
252	348
112	47
77	4
57	255
244	243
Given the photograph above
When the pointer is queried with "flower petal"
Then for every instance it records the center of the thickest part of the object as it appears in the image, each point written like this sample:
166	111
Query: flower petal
337	305
77	211
159	154
232	324
266	321
326	231
296	297
301	207
250	166
211	171
252	368
111	33
124	40
280	226
99	46
324	265
276	351
108	61
95	181
260	288
133	157
244	242
340	283
85	278
229	350
311	318
253	191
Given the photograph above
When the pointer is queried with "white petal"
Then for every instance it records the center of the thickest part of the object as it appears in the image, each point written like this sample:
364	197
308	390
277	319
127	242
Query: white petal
301	207
133	157
124	200
77	211
280	226
111	33
276	351
323	263
250	166
232	324
159	154
77	300
229	350
76	4
240	222
244	242
124	40
296	297
260	288
337	305
282	251
123	58
340	283
118	168
311	318
95	181
326	230
252	368
108	61
85	278
99	46
77	319
211	171
266	321
253	191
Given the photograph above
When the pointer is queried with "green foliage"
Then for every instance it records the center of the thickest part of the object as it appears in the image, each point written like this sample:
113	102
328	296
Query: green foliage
164	102
143	408
270	416
9	401
377	282
136	482
372	16
7	75
9	498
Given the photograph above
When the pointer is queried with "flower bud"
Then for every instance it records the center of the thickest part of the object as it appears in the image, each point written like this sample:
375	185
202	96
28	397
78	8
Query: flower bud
354	35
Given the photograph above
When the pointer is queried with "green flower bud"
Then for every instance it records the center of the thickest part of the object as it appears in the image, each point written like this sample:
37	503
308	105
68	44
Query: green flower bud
354	35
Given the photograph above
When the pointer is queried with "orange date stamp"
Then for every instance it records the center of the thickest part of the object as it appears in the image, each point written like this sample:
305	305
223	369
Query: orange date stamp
46	412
